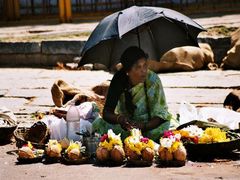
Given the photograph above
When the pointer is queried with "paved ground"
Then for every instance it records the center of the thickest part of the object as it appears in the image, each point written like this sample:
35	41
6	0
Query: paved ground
230	20
28	90
9	170
51	30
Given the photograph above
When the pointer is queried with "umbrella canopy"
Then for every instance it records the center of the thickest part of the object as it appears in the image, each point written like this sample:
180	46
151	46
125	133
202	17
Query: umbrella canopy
156	30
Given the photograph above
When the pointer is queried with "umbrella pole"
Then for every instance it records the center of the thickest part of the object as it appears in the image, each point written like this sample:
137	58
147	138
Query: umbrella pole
154	41
138	37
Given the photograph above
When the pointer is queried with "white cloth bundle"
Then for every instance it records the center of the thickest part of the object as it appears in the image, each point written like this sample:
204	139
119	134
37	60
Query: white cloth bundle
222	115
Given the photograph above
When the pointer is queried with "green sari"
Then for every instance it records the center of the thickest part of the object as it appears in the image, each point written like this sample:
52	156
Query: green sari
155	102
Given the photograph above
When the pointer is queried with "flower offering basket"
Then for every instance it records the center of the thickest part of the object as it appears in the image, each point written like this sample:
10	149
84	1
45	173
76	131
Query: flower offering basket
211	150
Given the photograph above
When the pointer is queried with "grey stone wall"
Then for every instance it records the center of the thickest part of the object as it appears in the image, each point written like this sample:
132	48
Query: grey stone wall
34	54
48	53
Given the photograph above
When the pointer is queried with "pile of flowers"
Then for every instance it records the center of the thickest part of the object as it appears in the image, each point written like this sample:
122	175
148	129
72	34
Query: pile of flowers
110	148
53	149
171	141
27	151
196	135
138	147
171	147
110	140
212	135
75	150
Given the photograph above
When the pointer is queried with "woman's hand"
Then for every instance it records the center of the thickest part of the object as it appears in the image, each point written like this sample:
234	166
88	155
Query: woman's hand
141	126
112	118
125	123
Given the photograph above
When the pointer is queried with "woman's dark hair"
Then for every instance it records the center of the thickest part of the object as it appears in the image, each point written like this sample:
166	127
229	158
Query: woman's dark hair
129	57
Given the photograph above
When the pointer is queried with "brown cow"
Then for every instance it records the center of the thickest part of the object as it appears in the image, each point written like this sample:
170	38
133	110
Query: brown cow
186	58
232	59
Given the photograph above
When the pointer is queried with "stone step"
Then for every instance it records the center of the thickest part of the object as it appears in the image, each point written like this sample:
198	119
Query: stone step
48	53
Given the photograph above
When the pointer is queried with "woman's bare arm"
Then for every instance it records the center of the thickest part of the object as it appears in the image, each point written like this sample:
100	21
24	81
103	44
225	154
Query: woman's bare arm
152	124
112	118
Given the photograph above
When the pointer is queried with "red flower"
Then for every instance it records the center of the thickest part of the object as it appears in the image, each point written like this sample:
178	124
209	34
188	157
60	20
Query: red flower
144	140
195	140
167	134
26	145
104	137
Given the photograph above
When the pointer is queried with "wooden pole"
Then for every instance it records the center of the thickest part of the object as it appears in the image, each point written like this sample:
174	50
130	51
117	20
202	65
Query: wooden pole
16	9
68	11
65	11
9	10
61	10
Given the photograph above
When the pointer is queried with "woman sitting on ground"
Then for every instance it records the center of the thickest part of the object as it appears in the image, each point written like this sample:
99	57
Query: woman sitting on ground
135	99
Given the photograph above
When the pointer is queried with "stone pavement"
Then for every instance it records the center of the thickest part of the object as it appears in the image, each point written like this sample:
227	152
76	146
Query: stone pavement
43	44
9	170
229	20
26	91
15	31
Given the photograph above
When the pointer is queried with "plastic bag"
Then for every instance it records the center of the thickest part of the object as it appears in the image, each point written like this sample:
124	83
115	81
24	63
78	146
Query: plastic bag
88	111
85	110
85	126
187	113
57	127
222	115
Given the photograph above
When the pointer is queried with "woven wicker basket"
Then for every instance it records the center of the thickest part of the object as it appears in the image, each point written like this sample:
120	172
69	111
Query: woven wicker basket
6	132
21	136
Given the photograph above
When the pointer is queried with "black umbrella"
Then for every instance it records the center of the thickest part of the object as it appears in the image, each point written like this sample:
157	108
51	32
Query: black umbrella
156	30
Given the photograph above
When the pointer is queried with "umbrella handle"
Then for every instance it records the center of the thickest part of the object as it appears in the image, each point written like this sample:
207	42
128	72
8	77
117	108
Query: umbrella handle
138	37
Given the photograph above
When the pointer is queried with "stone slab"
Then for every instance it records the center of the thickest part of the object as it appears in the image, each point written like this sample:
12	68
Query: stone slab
196	96
28	93
34	60
2	92
202	79
201	88
20	47
42	101
14	104
62	47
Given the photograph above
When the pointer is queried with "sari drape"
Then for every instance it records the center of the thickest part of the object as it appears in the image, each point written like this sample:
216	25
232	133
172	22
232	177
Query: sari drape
152	98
